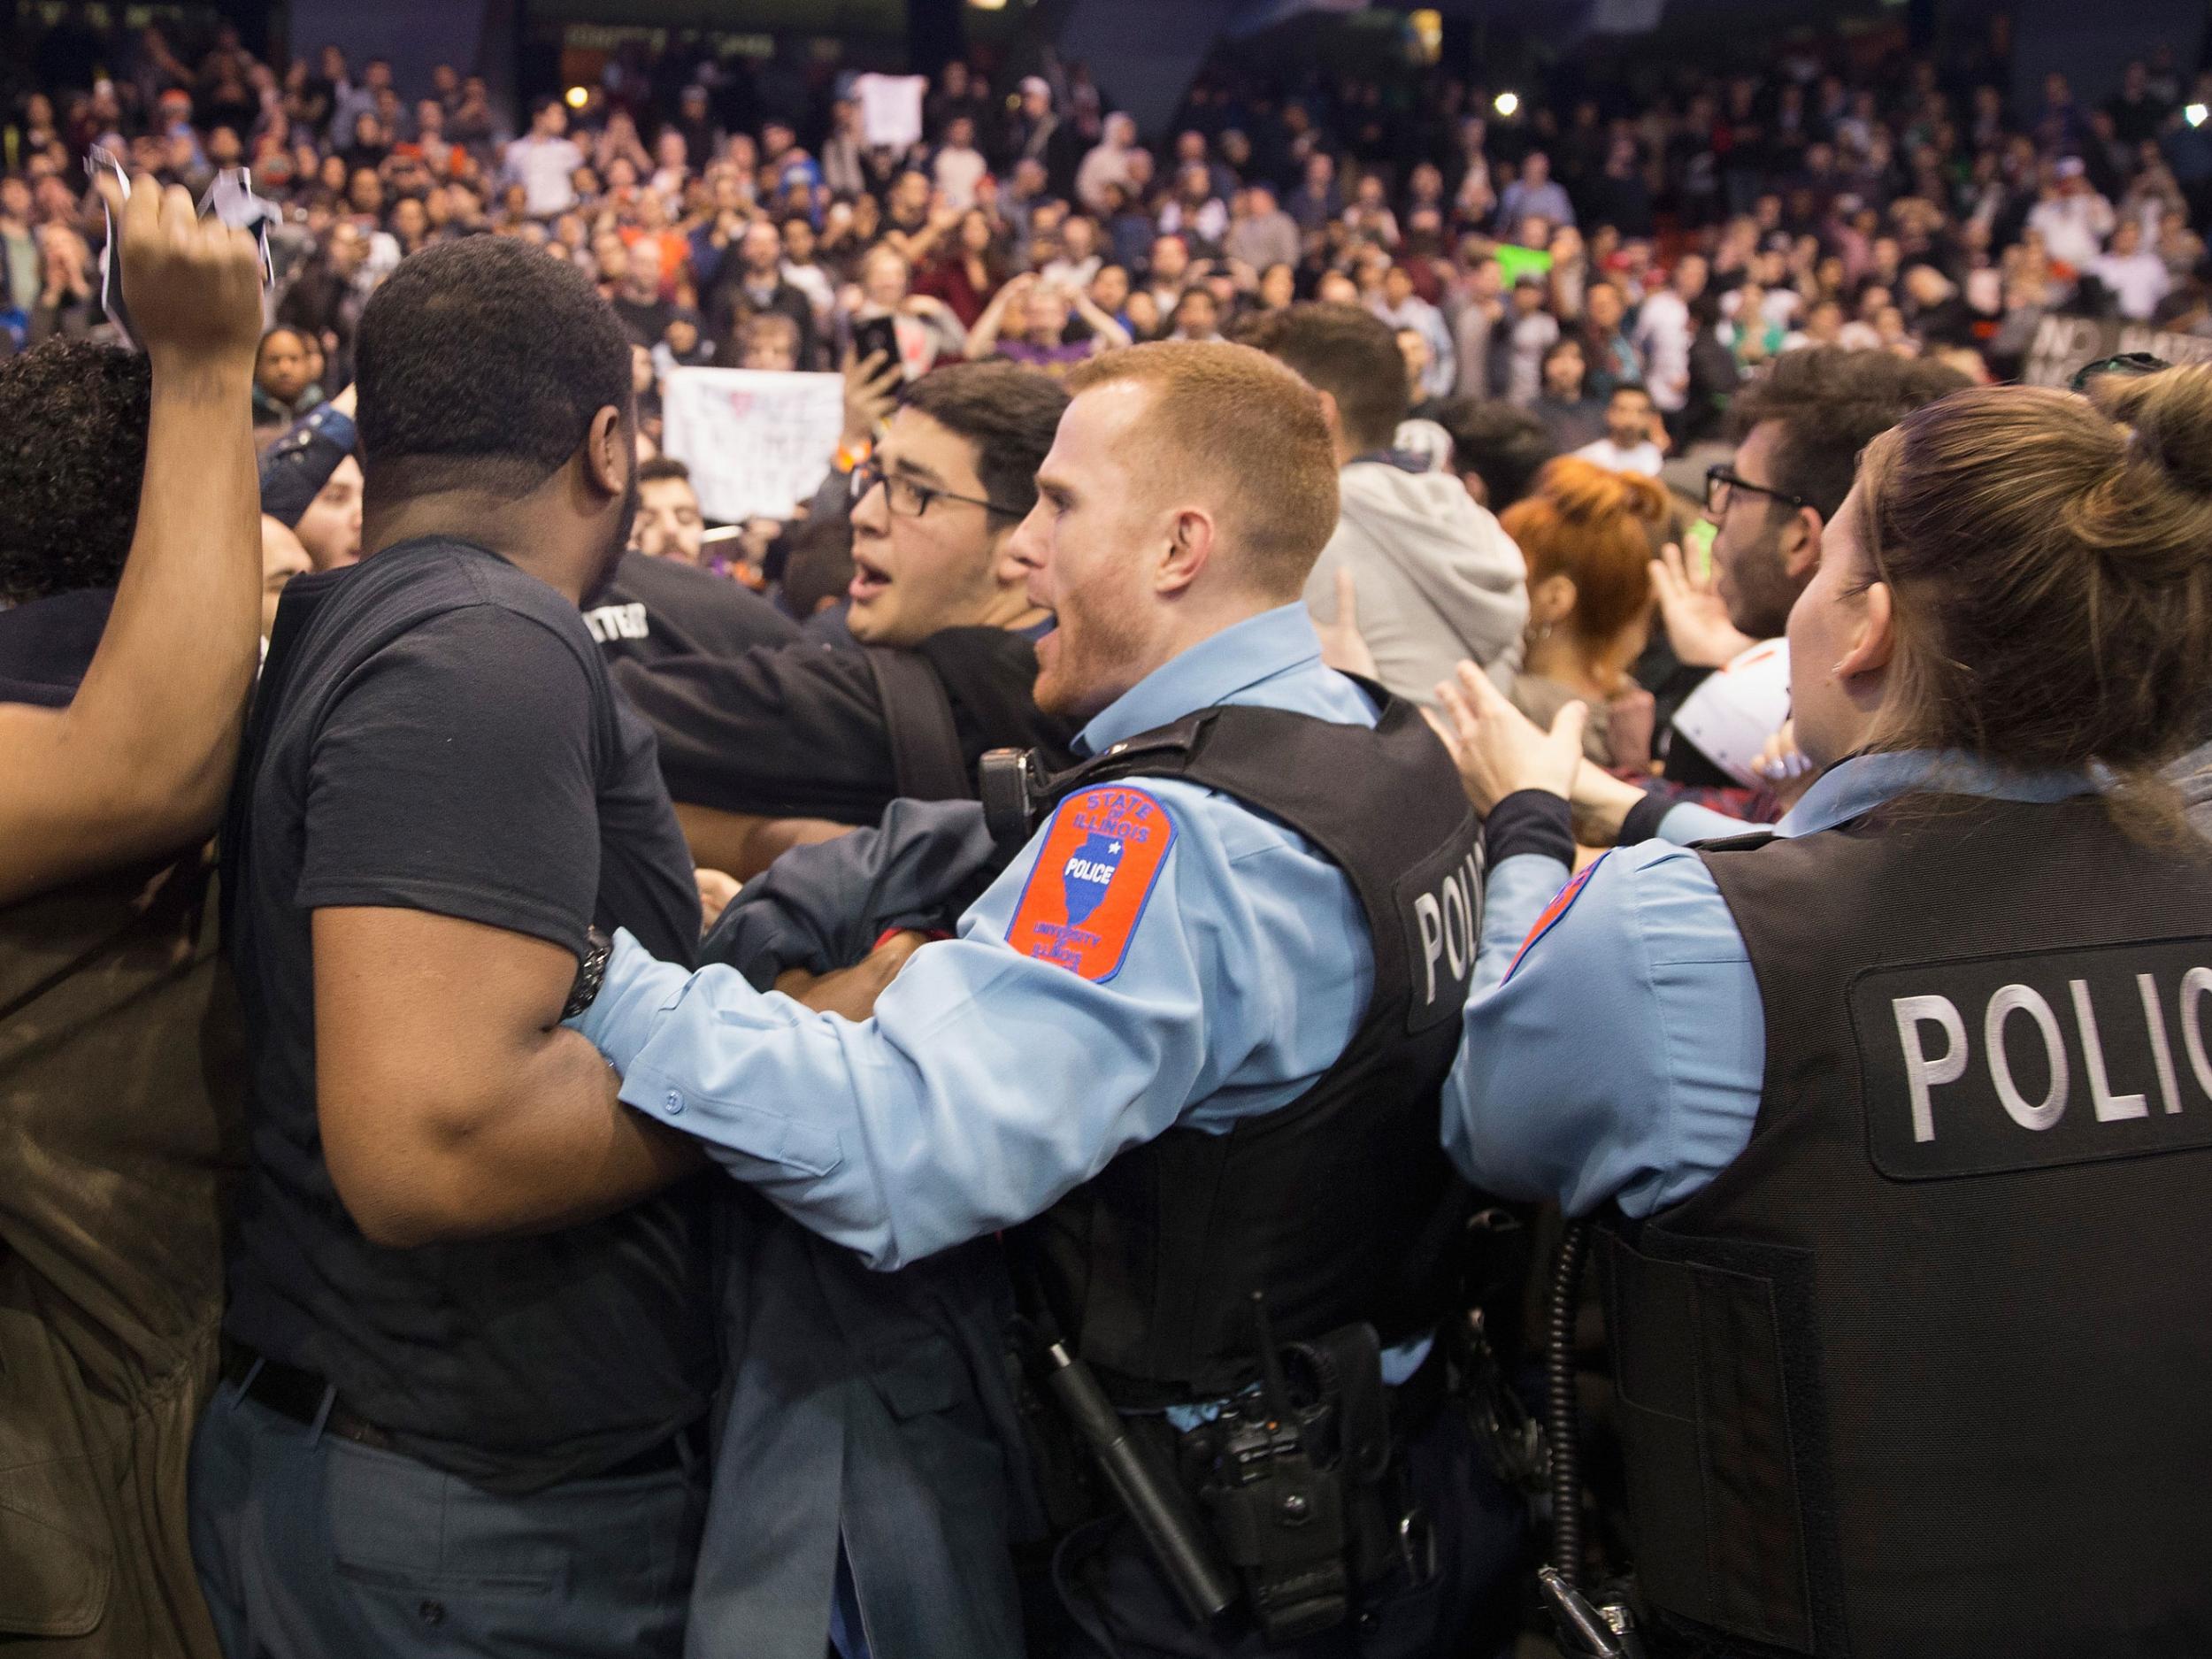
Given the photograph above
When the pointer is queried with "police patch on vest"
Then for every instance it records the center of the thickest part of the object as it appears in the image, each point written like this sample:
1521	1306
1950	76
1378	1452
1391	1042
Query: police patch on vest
1095	874
2025	1062
1440	906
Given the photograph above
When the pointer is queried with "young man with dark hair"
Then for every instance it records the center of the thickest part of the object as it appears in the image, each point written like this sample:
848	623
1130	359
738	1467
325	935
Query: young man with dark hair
1436	579
130	568
750	743
1497	449
1799	429
468	1326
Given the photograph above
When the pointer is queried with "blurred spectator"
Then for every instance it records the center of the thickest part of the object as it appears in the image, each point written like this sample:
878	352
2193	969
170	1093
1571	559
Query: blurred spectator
1436	579
753	283
1632	429
545	161
1563	403
669	524
1497	449
1028	324
283	386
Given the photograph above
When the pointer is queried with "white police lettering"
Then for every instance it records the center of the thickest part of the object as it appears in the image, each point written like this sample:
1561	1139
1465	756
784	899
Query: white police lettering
2006	1047
1920	1072
2162	1051
2109	1107
1449	916
2025	998
610	623
2194	984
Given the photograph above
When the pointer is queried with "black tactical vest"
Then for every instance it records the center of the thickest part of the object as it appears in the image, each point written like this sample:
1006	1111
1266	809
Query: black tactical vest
1927	1369
1340	1206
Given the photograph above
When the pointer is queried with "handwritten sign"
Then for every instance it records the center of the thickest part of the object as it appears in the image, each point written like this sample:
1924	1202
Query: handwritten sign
2063	344
757	443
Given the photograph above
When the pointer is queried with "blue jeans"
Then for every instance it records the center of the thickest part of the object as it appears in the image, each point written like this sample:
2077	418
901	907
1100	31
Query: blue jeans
309	1546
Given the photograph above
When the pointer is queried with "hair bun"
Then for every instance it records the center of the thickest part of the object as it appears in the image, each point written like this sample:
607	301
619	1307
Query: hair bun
1584	491
2171	414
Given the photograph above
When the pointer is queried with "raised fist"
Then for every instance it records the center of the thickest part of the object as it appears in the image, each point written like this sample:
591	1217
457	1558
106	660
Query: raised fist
192	285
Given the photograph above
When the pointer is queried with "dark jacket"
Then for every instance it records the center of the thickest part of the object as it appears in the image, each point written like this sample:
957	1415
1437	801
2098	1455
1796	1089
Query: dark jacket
871	1408
797	731
729	307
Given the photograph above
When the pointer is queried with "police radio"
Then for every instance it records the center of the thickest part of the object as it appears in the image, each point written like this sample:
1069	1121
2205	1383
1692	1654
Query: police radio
1011	784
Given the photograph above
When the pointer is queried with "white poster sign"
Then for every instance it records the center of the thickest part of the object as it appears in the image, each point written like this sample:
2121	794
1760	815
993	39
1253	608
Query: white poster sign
1733	713
757	443
890	109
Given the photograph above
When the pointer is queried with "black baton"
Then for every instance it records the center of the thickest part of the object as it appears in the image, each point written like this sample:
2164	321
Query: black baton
1154	1499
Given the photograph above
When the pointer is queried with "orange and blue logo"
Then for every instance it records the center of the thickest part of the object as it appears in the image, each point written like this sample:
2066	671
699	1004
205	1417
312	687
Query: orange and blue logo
1557	908
1095	874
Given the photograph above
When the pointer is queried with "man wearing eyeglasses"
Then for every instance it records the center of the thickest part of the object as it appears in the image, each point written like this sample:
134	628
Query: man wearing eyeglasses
770	746
1799	430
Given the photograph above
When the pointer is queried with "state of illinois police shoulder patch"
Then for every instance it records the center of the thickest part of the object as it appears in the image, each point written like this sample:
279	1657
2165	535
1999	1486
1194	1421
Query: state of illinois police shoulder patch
1100	859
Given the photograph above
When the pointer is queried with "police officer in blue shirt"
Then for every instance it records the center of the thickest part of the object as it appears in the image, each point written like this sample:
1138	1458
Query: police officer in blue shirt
1902	1116
1186	1047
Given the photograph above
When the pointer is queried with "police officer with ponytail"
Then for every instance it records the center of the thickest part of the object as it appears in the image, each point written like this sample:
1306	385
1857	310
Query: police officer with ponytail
1897	1122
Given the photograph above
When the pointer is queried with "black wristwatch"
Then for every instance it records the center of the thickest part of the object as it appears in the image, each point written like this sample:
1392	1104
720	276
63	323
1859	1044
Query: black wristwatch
590	973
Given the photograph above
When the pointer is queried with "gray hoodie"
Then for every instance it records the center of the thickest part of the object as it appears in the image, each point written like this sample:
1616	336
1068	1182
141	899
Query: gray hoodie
1438	579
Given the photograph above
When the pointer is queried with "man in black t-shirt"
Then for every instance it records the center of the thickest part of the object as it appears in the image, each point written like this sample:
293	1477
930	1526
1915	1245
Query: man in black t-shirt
771	745
469	1325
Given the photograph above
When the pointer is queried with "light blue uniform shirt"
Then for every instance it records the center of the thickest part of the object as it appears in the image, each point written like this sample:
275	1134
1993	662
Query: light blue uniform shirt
1623	1056
989	1083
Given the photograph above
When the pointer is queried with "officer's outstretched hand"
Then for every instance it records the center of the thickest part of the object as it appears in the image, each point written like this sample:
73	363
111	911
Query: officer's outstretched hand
1498	749
1343	647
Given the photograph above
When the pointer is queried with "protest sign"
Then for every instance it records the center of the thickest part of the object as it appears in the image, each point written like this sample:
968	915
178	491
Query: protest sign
757	443
2063	344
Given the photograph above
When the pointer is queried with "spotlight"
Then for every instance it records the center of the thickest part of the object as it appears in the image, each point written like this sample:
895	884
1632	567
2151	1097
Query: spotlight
577	97
2194	114
1508	104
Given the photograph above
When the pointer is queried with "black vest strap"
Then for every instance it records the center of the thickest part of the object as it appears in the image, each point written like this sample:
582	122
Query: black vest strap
918	717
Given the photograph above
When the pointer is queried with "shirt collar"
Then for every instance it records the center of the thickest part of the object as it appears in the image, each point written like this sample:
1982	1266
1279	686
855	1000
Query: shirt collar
1861	782
1214	671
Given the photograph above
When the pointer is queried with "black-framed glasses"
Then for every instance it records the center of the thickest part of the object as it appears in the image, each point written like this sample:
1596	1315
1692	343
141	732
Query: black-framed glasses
2128	364
910	498
1722	483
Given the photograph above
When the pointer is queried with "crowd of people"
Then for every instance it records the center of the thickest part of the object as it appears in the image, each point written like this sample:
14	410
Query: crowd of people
1675	237
969	1068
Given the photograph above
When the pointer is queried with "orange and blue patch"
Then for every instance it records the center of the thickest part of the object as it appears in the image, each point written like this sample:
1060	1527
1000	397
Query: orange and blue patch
1100	859
1560	905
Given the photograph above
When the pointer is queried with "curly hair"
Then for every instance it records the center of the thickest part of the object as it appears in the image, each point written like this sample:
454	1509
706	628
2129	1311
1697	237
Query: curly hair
72	454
